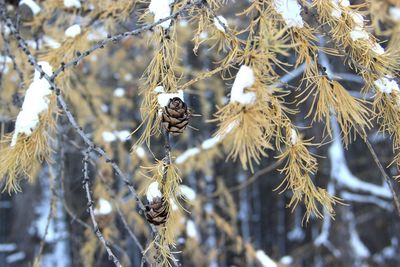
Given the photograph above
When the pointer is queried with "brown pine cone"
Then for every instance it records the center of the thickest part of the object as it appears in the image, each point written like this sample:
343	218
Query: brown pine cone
157	211
175	116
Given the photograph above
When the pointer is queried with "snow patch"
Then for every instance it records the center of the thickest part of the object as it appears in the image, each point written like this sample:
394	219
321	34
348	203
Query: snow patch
264	259
72	3
358	246
244	79
385	85
8	247
191	230
51	42
394	12
19	256
123	135
36	101
187	154
32	5
161	10
342	174
119	92
73	31
358	33
217	22
153	192
293	137
188	192
110	137
290	11
104	207
140	152
163	98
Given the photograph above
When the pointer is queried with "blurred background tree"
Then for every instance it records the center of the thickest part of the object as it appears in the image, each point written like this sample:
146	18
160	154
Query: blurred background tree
289	158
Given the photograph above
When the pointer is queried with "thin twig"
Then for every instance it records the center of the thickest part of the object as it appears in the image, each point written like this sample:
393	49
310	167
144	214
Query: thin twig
385	176
257	175
91	210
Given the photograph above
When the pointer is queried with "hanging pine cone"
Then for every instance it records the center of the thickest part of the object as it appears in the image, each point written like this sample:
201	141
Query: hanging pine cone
175	116
157	211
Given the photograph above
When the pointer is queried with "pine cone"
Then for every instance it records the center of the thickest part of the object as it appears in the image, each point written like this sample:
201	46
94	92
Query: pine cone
157	211
175	116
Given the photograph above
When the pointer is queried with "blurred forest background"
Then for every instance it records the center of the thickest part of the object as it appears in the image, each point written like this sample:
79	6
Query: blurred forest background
231	216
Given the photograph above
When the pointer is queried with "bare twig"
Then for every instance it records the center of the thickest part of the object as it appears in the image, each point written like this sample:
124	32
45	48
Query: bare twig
91	210
385	176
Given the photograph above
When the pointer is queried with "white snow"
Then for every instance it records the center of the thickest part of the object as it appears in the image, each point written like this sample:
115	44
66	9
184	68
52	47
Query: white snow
103	208
377	48
188	192
97	33
191	230
336	11
128	77
8	247
15	257
293	137
387	253
244	79
119	92
341	173
161	10
385	85
290	11
174	207
286	260
32	5
358	246
187	154
347	196
264	259
109	137
140	152
36	101
123	135
394	12
296	234
163	98
72	3
217	22
359	33
206	144
153	192
73	31
357	18
337	4
51	42
211	142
